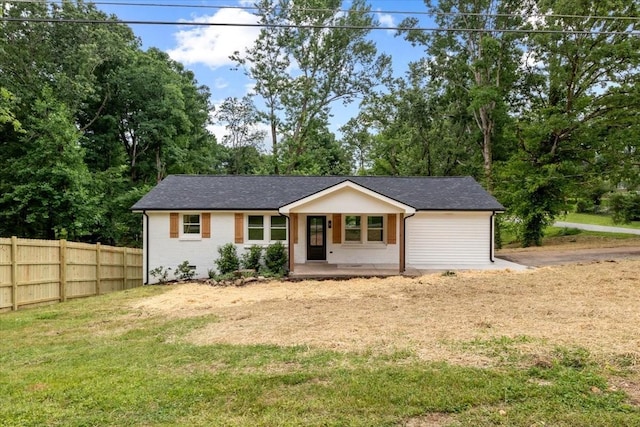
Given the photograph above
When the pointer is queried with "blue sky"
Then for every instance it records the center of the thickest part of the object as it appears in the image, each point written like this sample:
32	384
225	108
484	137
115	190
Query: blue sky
205	49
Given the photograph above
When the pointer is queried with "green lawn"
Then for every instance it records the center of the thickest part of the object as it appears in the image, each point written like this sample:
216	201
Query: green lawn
584	218
93	362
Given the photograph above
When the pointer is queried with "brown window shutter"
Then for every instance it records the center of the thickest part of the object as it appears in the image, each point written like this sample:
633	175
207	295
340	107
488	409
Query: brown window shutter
239	228
294	227
174	222
392	229
337	228
206	225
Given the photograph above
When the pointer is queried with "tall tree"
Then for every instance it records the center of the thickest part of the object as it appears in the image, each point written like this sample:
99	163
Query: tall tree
581	74
243	139
309	56
45	187
474	60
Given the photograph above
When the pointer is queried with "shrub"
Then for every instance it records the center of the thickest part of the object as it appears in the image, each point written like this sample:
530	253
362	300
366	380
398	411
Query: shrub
160	273
251	258
228	260
625	207
184	271
275	258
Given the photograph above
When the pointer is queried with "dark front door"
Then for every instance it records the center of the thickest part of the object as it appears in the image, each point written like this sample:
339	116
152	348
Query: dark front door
316	238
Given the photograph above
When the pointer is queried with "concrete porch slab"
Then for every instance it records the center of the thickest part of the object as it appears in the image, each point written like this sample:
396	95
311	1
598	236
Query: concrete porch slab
326	270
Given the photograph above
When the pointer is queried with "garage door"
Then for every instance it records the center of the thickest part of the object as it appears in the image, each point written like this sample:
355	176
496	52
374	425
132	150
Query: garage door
448	239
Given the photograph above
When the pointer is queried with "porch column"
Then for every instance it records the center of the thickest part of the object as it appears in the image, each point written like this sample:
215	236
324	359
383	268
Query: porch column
402	266
293	234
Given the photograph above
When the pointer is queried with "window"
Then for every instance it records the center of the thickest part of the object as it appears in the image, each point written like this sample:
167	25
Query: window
374	229
256	227
352	229
278	228
190	224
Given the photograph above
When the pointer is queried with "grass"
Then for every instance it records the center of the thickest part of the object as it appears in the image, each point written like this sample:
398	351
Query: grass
96	362
594	219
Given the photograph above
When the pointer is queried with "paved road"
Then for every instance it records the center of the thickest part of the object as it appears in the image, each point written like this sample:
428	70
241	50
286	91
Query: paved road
591	227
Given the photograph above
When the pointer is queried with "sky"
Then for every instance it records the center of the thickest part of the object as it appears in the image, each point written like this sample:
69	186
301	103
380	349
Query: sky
205	49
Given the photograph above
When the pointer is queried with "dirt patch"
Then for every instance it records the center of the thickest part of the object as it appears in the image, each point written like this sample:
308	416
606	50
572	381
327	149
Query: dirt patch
557	255
596	306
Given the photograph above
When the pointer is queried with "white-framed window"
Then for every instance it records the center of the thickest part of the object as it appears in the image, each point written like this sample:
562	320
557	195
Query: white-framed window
256	227
352	228
375	228
191	224
266	228
364	229
278	228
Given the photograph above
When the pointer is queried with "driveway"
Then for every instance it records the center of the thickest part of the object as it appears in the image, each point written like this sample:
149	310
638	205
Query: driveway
535	257
592	227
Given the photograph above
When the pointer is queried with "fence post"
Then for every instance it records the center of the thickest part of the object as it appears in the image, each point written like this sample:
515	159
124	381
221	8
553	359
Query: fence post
14	272
124	264
63	270
98	268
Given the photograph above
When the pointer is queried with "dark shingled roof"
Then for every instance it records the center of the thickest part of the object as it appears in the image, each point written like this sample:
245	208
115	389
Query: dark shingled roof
251	192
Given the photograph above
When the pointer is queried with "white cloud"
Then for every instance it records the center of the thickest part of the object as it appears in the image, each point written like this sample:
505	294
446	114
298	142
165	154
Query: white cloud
212	45
386	20
220	83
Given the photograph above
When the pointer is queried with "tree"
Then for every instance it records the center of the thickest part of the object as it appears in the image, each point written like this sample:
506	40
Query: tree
243	138
302	67
582	77
45	186
477	68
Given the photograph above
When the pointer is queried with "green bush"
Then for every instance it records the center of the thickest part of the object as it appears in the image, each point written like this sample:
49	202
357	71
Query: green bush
625	207
228	260
184	271
275	258
251	258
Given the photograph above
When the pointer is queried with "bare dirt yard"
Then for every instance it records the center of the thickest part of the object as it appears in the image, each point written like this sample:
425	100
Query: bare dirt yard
593	305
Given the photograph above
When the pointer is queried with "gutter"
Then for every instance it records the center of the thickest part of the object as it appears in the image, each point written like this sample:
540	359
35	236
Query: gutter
491	237
146	247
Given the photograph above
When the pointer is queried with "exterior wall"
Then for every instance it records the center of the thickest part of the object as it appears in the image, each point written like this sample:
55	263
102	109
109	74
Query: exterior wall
347	200
167	252
443	239
348	253
200	252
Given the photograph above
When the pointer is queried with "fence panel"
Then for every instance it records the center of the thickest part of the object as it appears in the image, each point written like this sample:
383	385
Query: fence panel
36	272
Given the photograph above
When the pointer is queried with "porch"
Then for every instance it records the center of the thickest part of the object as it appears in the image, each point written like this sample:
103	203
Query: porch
314	270
324	270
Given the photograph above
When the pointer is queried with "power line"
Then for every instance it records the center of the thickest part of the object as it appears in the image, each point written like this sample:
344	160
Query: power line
389	12
328	27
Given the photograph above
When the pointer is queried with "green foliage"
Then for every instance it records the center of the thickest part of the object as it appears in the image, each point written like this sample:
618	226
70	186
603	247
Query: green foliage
160	273
184	271
275	258
252	257
227	261
330	66
625	207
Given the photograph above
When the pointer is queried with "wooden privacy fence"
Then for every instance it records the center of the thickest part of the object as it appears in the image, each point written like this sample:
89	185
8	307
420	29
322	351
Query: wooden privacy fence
46	271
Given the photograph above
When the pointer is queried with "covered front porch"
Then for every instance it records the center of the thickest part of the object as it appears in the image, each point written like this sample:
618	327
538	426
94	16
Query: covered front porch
346	231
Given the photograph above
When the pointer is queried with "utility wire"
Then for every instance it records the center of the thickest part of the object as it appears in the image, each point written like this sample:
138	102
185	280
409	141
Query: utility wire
389	12
329	27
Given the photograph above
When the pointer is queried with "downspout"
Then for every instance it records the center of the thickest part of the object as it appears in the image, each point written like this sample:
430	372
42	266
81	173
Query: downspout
289	239
404	240
146	248
491	237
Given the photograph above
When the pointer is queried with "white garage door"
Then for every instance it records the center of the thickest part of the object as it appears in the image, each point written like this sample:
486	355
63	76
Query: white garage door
448	239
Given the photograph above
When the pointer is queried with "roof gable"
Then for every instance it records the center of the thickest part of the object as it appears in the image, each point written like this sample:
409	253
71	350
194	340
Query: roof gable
349	197
253	192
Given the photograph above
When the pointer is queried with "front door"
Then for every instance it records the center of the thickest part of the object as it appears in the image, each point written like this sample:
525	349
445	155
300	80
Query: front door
316	238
